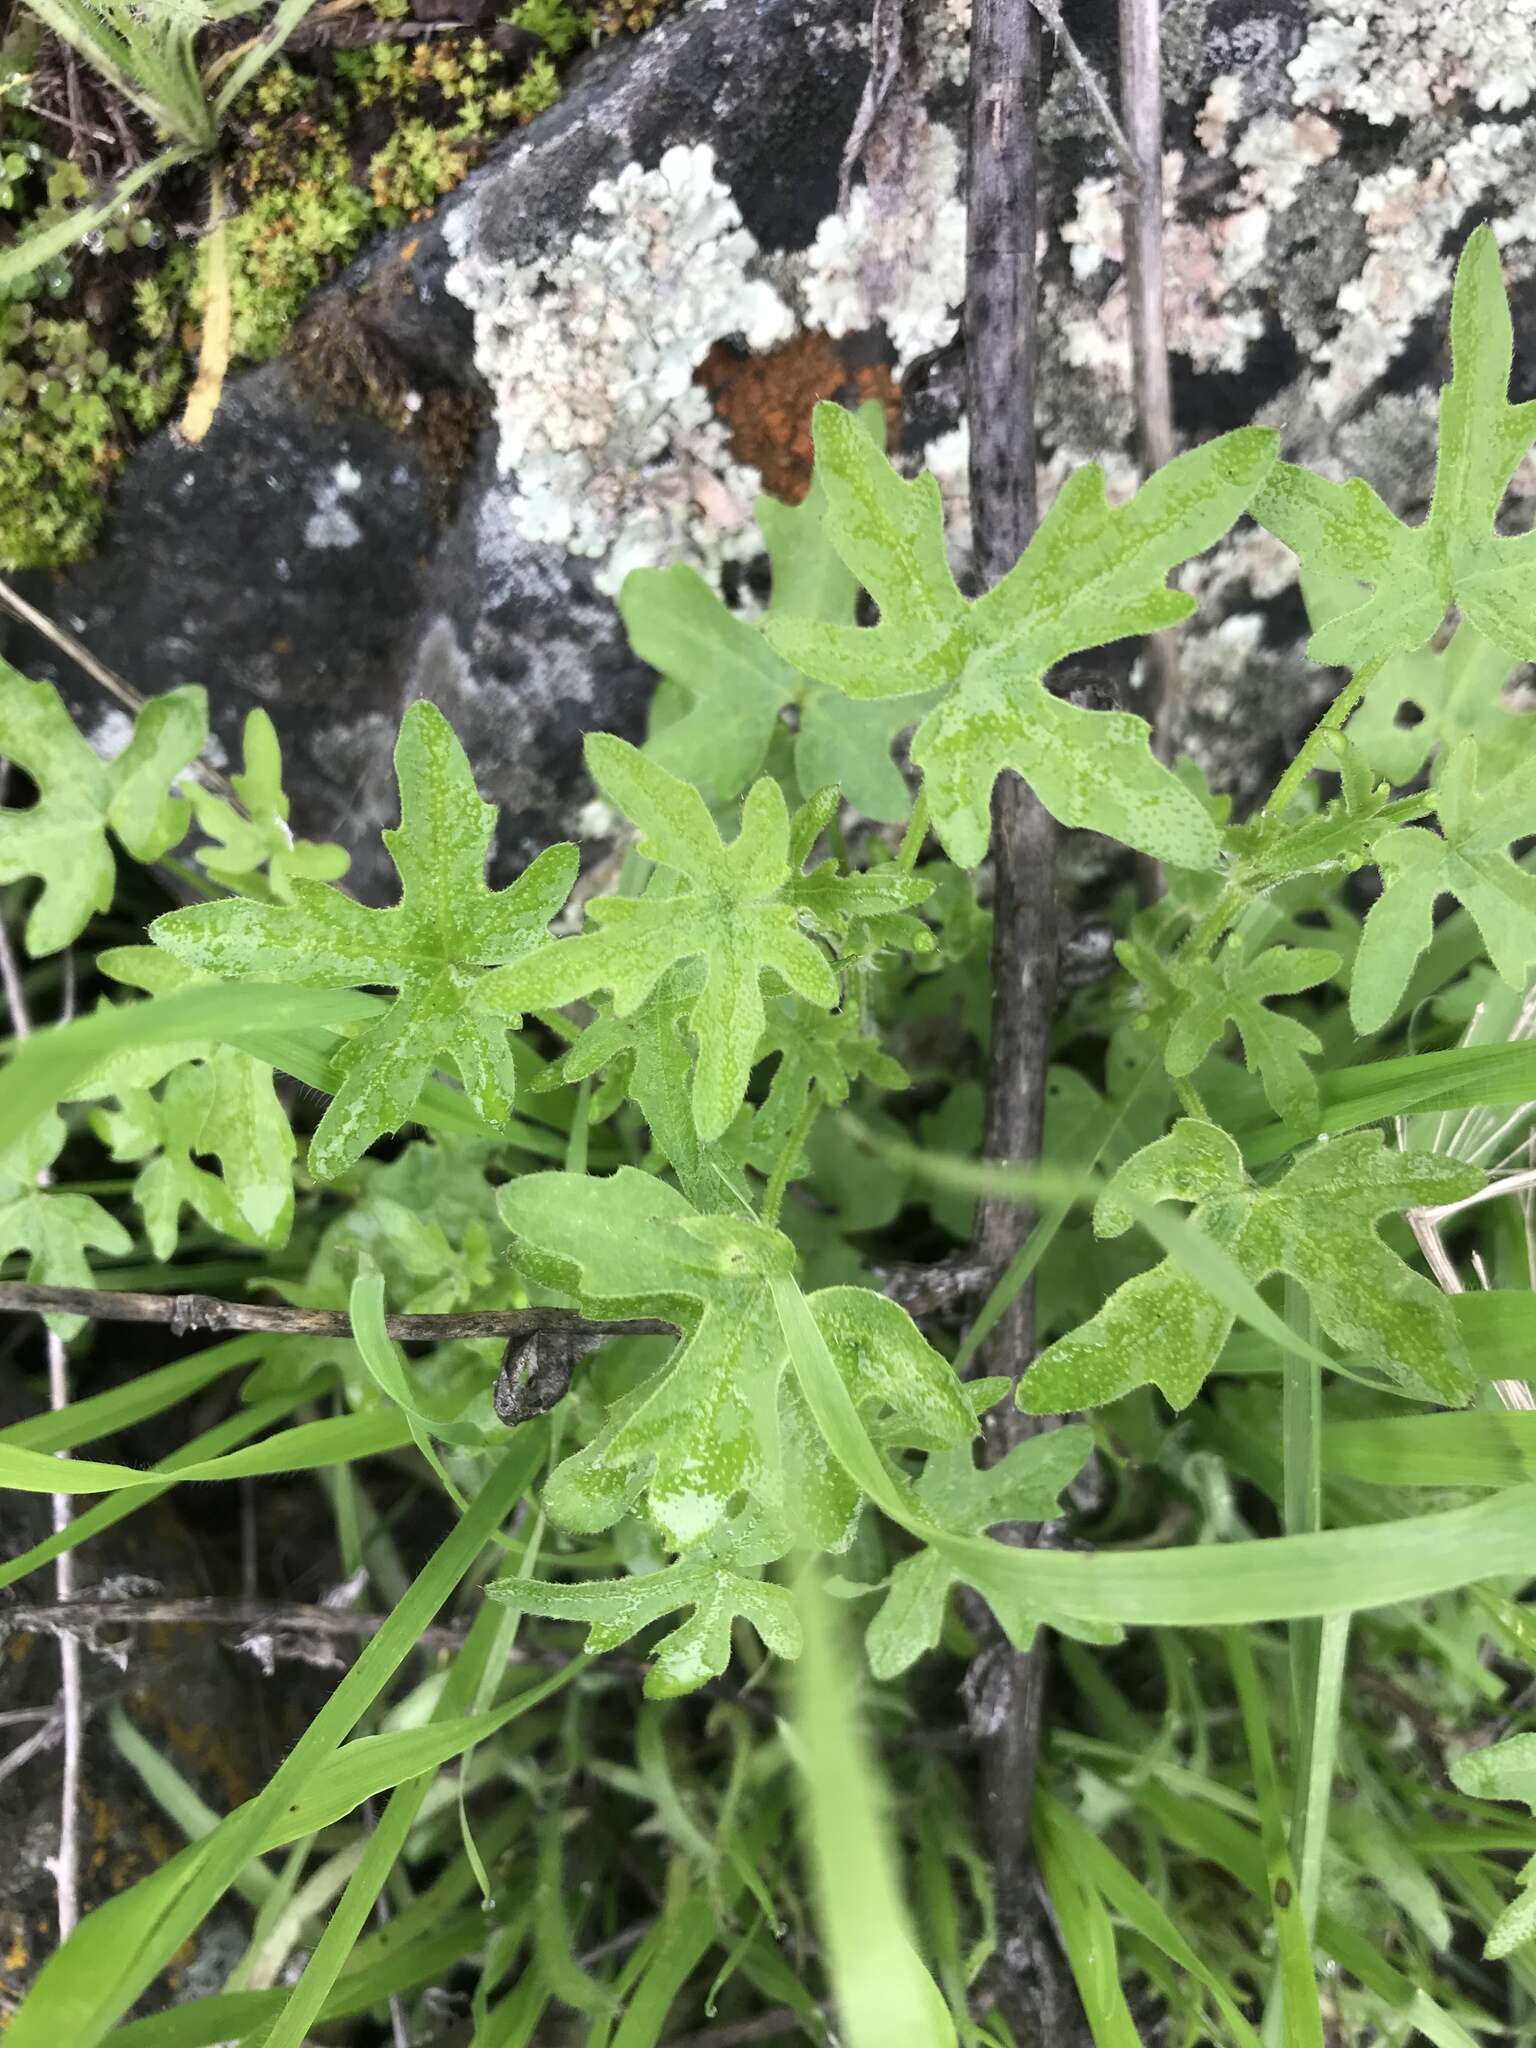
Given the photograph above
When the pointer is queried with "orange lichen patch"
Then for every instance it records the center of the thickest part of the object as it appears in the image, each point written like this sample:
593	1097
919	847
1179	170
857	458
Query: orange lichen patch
767	400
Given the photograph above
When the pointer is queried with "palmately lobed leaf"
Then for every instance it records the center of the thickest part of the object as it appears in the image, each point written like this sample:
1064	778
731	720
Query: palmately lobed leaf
1412	574
1166	1326
967	1500
241	847
1469	858
718	1419
718	1581
62	838
1093	573
730	905
434	947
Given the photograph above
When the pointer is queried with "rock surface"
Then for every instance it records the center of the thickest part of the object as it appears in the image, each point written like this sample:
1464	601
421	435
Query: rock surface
1324	162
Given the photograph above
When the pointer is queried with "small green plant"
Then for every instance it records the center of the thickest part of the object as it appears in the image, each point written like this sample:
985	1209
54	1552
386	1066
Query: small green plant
672	1154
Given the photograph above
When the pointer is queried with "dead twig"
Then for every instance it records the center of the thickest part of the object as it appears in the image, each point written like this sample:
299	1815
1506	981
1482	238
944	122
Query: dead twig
186	1312
1141	100
65	1864
1005	1687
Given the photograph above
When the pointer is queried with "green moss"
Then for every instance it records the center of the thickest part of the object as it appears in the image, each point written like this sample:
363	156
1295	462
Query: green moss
73	388
555	22
65	406
81	374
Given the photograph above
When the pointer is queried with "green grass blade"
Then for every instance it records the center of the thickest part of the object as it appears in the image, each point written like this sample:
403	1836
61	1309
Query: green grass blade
43	1070
1137	1907
1300	2014
1491	1447
1088	1935
105	1514
386	1843
33	251
309	1447
880	1987
117	1952
147	1394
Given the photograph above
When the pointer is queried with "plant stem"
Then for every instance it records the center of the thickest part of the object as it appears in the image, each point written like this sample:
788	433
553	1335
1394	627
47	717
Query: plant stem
1331	720
1006	1687
784	1165
916	832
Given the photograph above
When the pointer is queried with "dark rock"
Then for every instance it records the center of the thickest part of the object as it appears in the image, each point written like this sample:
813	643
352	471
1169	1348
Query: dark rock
210	568
307	557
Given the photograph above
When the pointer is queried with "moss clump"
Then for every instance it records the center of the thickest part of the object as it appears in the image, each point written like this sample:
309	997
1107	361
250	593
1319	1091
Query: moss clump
74	386
94	350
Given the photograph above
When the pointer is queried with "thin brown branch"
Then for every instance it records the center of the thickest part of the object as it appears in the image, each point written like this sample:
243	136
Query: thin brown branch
1005	1688
187	1312
1088	79
81	1619
1141	100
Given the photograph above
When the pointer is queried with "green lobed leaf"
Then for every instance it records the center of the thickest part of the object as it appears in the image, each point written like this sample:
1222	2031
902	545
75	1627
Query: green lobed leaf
718	1580
244	846
1165	1327
62	838
731	907
719	1418
433	947
1413	573
1093	573
1238	987
737	686
1468	858
968	1500
55	1231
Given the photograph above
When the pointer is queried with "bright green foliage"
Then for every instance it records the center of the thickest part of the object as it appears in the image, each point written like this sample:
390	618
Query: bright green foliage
1165	1327
216	1103
433	947
62	838
245	845
718	1579
1468	858
824	1050
1414	573
1458	693
739	687
1333	841
968	1499
1506	1770
1091	574
720	1418
56	1231
1237	987
647	1058
554	22
731	907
